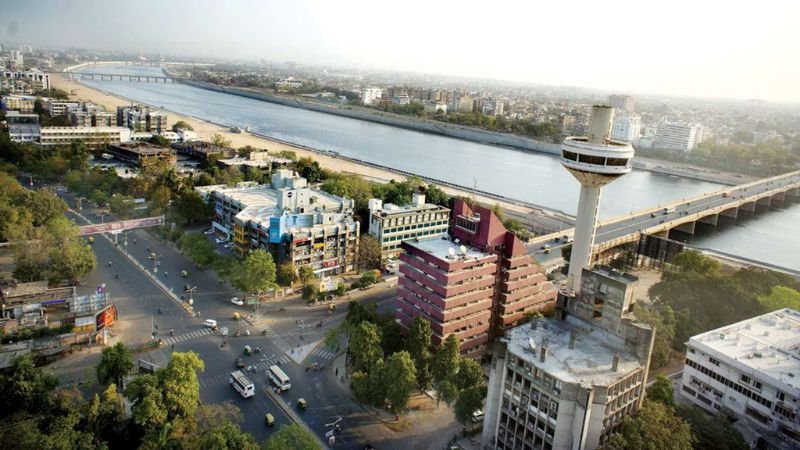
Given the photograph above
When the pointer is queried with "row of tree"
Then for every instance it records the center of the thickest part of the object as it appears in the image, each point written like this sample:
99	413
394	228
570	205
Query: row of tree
165	411
661	424
696	294
387	366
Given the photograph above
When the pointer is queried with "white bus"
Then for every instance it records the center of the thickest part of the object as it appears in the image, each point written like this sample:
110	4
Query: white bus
279	378
242	384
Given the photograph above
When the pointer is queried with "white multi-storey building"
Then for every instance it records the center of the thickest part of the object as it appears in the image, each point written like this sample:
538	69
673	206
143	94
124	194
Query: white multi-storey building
370	96
91	136
392	224
626	128
673	136
36	79
750	371
568	382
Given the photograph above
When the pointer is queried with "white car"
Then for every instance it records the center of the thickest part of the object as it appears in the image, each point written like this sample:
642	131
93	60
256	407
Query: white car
210	323
221	240
209	231
237	301
229	245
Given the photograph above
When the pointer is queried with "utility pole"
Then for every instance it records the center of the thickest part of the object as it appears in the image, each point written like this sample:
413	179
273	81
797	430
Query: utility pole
190	290
155	259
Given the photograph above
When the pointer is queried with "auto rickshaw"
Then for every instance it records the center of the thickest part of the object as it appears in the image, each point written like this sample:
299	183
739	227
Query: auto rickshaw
248	350
184	273
301	403
269	419
91	239
236	316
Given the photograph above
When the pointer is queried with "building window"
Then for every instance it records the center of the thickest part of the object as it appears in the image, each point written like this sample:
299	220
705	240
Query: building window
713	361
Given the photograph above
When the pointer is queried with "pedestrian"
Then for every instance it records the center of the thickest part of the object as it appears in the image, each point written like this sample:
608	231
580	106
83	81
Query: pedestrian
336	373
173	346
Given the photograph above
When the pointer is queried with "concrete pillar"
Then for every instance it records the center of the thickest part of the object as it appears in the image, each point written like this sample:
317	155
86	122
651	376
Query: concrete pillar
778	199
732	213
764	201
710	220
588	206
687	228
491	414
750	207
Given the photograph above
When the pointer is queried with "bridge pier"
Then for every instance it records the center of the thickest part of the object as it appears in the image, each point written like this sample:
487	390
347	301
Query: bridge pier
749	207
778	199
763	203
687	227
732	213
710	220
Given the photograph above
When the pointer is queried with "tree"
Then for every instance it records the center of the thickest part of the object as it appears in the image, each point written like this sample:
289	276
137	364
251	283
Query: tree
180	386
662	319
369	253
306	274
256	273
418	343
310	170
399	378
661	391
26	387
220	140
469	400
694	261
365	346
469	374
291	436
655	426
148	412
286	274
780	297
226	435
115	363
181	125
159	140
310	291
446	391
121	205
199	249
711	430
446	361
370	388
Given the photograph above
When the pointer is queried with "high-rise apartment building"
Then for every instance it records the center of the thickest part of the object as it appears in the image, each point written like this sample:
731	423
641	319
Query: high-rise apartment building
679	137
475	283
297	224
568	382
622	102
371	96
750	372
142	119
627	128
391	224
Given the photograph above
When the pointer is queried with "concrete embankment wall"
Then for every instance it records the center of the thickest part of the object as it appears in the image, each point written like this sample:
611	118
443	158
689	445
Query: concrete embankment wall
455	131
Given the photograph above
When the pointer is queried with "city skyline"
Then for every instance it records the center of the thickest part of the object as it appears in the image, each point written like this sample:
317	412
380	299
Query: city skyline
680	54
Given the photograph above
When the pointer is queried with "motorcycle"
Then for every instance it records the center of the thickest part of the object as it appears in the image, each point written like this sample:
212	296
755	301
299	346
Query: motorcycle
237	334
247	332
258	349
172	332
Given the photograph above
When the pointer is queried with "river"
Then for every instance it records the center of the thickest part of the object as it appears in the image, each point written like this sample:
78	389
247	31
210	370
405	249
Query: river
531	177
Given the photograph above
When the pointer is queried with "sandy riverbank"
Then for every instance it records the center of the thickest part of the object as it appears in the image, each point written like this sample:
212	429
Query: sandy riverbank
205	129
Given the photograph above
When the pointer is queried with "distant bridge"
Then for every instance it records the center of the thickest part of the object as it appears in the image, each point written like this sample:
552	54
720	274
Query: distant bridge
684	215
121	77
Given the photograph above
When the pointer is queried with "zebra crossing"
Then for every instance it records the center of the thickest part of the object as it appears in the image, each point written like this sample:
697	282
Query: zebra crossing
324	353
277	339
187	336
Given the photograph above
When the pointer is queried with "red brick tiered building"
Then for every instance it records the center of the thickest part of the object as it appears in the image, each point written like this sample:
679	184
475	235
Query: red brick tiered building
476	283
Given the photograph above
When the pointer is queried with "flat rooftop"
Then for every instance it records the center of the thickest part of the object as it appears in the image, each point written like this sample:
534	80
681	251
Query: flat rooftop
769	344
588	363
440	248
622	277
390	209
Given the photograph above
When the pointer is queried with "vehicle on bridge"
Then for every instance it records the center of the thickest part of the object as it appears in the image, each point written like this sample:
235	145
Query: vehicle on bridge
669	210
242	384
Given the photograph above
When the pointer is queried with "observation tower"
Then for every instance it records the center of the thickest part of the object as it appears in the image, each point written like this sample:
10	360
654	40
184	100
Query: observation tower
594	160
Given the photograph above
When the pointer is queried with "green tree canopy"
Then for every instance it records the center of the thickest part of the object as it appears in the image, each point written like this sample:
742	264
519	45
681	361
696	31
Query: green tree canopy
469	374
306	274
711	431
469	400
286	274
399	379
291	436
115	363
181	125
655	426
256	273
369	252
447	358
661	391
418	343
365	346
199	249
26	387
780	297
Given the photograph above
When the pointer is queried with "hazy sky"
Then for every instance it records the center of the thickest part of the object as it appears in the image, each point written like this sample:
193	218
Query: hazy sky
702	48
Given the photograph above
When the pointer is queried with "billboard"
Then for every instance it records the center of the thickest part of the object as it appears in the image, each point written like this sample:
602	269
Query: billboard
121	225
106	317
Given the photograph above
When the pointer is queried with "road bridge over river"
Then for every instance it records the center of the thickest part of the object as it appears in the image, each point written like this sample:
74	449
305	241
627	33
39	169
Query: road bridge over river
685	214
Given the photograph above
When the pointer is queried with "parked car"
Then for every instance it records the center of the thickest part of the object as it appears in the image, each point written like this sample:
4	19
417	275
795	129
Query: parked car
221	240
229	245
209	231
237	301
210	323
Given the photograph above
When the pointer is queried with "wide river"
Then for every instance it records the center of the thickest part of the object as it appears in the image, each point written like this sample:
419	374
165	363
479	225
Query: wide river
531	177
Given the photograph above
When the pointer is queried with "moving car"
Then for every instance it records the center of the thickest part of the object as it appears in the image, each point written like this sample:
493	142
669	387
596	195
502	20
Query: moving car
209	231
211	323
301	403
237	301
239	362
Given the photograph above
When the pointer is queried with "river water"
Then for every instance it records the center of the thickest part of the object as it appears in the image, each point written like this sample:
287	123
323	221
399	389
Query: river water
531	177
